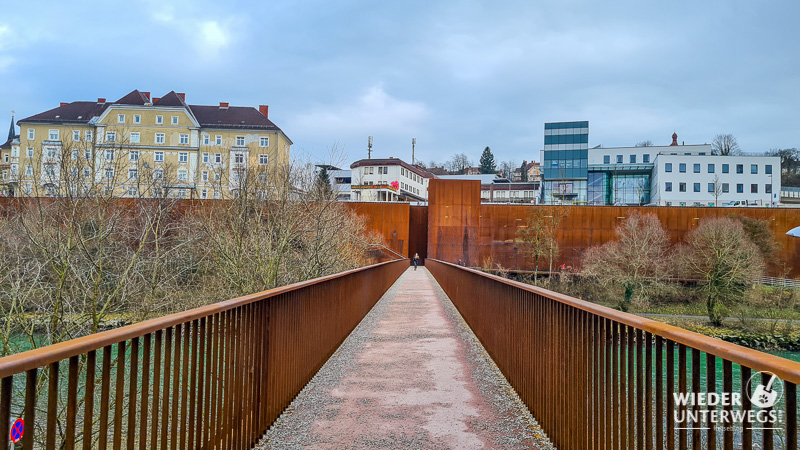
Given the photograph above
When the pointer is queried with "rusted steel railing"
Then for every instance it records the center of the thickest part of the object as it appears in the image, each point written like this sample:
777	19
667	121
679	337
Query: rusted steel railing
211	377
599	378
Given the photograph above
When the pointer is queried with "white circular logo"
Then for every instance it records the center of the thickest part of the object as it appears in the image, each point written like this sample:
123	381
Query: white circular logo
764	394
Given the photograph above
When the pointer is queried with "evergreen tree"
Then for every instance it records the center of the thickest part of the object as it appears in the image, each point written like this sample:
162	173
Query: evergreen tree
323	181
523	175
487	161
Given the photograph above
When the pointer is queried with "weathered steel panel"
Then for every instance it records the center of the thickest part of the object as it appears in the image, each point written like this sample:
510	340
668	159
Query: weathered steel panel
391	220
418	232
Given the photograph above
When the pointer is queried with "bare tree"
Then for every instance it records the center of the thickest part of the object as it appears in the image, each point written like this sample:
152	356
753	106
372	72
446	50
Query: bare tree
647	143
717	187
725	145
636	260
721	255
507	167
539	233
458	164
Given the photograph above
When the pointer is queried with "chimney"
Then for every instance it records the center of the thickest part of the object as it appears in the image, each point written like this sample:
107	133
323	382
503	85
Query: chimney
264	109
182	95
223	105
63	104
100	101
147	94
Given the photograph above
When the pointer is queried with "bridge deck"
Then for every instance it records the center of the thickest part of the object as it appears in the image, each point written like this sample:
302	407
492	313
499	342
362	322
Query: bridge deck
412	375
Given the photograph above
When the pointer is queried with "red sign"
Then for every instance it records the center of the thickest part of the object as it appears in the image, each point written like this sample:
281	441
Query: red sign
17	430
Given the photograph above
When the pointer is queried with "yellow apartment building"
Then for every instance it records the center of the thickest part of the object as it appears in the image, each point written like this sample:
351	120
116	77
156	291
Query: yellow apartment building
143	147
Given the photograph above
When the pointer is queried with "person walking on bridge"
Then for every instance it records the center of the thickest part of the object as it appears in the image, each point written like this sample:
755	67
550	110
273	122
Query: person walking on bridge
416	260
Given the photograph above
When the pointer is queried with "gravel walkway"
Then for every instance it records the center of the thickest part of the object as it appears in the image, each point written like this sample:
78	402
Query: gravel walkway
411	375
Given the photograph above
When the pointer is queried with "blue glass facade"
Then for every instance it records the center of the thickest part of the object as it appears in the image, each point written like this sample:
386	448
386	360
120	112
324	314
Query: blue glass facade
565	162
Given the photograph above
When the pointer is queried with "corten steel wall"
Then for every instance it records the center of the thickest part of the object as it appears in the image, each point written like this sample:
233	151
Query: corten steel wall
418	233
454	220
594	377
391	220
585	226
211	377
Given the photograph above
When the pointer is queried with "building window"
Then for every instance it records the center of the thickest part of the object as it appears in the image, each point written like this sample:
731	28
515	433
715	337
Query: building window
754	188
53	135
238	158
87	172
682	168
133	191
263	159
768	188
217	176
135	138
206	139
31	134
205	157
668	186
109	155
646	158
239	141
740	168
174	120
218	139
75	153
76	135
133	173
29	152
159	138
633	159
696	187
159	120
158	174
753	168
619	159
682	187
204	175
203	193
183	157
183	174
726	188
218	158
111	136
768	169
740	188
109	173
134	155
158	156
263	142
710	187
725	168
697	168
88	135
87	153
137	118
710	168
668	167
28	171
216	193
120	118
184	139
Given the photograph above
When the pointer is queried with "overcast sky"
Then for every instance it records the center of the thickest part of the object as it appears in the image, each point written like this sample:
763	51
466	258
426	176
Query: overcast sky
457	76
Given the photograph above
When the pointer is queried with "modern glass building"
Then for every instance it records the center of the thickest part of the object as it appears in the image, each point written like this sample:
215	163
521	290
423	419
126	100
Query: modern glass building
565	162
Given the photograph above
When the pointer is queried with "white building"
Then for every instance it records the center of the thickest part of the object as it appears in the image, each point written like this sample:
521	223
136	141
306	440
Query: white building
497	189
388	180
340	181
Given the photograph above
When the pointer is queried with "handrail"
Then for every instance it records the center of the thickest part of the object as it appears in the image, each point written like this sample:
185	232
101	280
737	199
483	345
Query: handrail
784	368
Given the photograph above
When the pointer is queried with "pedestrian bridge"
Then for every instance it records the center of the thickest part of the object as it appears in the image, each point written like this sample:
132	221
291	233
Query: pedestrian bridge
385	356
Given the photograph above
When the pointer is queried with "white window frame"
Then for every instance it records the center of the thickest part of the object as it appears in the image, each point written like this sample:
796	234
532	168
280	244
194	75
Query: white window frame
29	170
238	158
51	134
120	118
31	134
158	156
184	138
109	173
218	139
137	118
218	158
217	176
76	135
183	157
206	139
160	137
87	153
204	175
263	141
88	135
29	153
205	157
159	120
136	137
204	193
183	174
263	159
174	120
240	141
133	155
133	173
87	172
133	191
111	136
109	154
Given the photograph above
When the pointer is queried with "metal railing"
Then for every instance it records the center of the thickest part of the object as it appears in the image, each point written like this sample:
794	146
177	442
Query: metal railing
211	377
599	378
780	282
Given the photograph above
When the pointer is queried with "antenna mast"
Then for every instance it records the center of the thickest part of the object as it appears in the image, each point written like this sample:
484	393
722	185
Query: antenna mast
369	147
413	144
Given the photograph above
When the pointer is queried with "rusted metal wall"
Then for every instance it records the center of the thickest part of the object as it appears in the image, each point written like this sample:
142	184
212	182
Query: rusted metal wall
454	220
594	377
418	232
584	226
211	377
391	220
